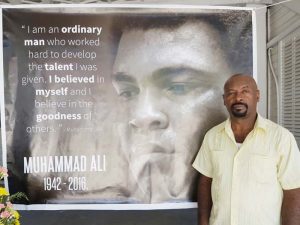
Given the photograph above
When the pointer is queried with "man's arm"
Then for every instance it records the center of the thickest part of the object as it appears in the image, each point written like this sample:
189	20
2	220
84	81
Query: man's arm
290	211
204	199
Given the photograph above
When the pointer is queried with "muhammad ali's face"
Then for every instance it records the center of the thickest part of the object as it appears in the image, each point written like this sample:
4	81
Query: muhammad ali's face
170	84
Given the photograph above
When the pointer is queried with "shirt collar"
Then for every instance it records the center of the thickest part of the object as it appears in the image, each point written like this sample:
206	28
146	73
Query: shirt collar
260	123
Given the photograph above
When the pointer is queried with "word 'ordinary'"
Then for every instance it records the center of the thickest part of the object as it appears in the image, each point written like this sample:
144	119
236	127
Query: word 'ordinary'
77	29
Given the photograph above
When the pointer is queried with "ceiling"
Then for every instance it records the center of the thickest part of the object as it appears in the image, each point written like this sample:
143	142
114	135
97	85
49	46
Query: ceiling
293	5
202	2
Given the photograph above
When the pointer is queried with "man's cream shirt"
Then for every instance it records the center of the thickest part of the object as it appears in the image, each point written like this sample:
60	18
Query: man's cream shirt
248	183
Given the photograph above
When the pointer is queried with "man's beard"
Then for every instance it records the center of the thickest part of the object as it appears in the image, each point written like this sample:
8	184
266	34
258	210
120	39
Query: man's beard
237	112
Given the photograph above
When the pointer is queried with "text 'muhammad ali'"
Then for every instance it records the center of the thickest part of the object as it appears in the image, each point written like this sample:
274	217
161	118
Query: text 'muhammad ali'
55	164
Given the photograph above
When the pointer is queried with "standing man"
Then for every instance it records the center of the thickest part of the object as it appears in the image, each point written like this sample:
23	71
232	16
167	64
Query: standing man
249	166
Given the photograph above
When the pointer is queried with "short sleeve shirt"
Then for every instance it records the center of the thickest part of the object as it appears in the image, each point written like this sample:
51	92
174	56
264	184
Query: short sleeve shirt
248	183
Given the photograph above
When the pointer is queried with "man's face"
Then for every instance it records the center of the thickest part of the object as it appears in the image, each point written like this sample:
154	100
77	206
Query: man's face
241	96
170	83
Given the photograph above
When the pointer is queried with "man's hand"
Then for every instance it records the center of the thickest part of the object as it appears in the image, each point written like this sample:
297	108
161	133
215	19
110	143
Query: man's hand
204	199
290	211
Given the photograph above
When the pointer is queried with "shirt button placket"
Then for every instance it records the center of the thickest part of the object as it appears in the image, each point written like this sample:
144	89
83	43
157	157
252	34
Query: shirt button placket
234	193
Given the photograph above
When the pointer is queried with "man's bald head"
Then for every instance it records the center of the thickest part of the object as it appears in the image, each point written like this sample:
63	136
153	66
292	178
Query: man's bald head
238	77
